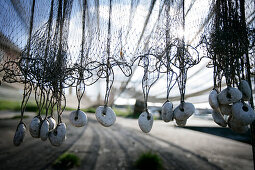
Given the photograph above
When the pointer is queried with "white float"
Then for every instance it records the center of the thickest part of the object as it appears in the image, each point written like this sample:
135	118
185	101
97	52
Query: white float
185	112
181	122
244	87
243	113
229	95
34	127
226	109
52	122
44	130
58	135
218	118
105	116
167	111
213	100
19	134
78	118
145	121
235	126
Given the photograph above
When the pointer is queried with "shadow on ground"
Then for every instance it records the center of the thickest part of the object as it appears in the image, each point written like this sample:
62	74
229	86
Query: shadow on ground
223	132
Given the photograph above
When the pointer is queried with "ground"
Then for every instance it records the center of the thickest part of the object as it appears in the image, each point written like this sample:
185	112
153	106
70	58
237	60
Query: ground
118	146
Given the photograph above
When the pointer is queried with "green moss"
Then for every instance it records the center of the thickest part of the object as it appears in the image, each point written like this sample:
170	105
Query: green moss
15	106
122	112
128	113
89	110
70	109
43	111
66	161
9	105
149	160
31	107
18	117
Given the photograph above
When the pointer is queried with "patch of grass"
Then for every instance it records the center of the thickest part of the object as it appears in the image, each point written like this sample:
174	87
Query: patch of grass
43	112
70	109
136	116
66	161
15	106
128	113
122	112
157	118
149	160
89	110
18	117
31	107
9	105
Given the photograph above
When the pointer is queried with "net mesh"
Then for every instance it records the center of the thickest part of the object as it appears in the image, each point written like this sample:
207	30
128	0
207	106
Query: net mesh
52	45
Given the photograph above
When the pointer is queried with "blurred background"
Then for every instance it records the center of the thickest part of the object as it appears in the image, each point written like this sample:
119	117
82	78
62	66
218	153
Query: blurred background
201	144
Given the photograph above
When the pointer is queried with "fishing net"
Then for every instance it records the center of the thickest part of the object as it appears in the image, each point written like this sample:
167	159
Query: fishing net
50	46
228	44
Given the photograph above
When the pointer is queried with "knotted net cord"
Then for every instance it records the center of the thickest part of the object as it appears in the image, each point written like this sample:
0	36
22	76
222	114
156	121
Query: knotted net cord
150	76
27	87
51	67
80	87
186	56
170	72
228	47
108	65
229	43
